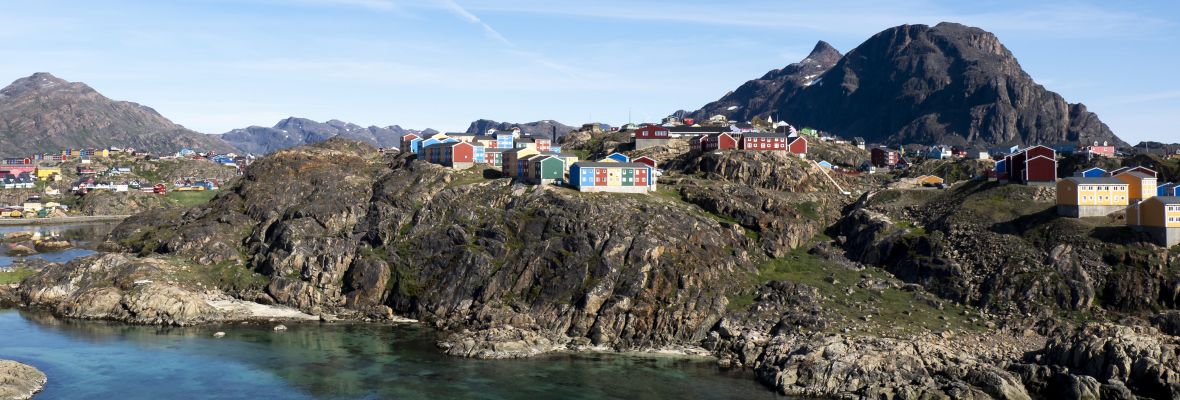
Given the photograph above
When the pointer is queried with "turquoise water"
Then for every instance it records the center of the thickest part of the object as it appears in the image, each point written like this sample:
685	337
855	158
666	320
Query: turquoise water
88	359
84	237
100	360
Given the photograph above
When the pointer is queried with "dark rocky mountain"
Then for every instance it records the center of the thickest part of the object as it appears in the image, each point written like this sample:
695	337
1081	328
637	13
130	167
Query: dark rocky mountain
949	84
538	128
43	113
757	98
292	132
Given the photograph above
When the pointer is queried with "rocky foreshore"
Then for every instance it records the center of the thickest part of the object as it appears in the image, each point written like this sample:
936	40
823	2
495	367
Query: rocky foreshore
19	381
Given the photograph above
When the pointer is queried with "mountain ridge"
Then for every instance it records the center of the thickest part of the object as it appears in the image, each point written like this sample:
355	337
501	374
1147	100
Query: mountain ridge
946	84
60	114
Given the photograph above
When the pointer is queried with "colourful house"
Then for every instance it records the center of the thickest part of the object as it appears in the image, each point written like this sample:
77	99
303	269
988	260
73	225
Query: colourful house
1079	197
406	139
617	157
478	153
930	180
650	136
1168	189
615	177
48	173
1091	173
651	162
1159	217
513	164
457	155
545	169
494	157
884	157
1036	165
764	141
1141	186
504	139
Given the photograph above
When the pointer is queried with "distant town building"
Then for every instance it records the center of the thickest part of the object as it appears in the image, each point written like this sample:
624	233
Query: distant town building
1159	217
1091	196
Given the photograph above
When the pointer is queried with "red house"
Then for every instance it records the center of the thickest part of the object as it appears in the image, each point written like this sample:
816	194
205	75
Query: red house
651	132
764	141
882	157
1140	168
457	155
797	145
406	139
1032	165
720	141
645	160
696	144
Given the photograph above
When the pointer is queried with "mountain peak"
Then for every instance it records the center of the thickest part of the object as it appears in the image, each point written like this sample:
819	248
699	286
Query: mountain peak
823	50
33	83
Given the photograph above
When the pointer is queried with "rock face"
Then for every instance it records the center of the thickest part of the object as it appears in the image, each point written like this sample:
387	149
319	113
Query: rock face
293	132
332	226
1107	361
118	288
105	202
759	97
19	381
64	115
948	84
546	128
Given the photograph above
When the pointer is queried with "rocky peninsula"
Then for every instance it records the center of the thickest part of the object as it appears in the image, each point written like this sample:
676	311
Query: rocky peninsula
755	258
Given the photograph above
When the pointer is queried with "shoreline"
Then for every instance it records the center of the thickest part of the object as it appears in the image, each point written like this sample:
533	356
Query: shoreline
61	220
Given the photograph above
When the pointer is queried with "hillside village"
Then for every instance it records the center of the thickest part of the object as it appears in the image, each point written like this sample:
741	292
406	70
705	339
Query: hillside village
110	181
1129	185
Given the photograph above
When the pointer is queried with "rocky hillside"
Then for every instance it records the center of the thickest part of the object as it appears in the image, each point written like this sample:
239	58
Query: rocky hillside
758	98
293	132
948	84
544	128
43	113
754	257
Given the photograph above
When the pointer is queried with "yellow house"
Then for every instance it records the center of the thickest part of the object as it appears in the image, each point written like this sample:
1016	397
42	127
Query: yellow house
1159	217
614	177
1091	197
47	173
1142	186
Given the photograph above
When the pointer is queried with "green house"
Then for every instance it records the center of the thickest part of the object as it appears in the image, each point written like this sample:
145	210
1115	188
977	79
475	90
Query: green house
547	169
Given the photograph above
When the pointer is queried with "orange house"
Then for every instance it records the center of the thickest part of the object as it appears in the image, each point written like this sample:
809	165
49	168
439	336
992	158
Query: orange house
1158	217
1141	186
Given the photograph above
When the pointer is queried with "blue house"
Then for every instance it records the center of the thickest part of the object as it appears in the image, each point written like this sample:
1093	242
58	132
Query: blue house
554	148
619	157
478	156
1168	189
1001	166
504	140
825	164
416	145
1093	173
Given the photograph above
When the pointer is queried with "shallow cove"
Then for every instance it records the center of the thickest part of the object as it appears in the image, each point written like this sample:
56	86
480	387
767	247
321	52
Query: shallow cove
94	359
90	359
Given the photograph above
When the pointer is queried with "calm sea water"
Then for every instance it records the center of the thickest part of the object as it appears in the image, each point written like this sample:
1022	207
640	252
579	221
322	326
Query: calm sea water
100	360
84	237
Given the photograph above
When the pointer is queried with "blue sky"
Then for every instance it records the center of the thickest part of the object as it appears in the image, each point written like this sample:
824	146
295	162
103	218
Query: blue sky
215	65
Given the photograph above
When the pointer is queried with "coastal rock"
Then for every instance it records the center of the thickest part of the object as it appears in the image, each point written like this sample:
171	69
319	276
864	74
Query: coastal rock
1139	358
498	343
46	246
19	381
20	250
116	287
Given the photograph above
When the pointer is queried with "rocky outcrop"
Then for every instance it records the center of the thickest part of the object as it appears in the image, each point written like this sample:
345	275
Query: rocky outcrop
63	115
119	288
106	202
19	381
150	291
1107	358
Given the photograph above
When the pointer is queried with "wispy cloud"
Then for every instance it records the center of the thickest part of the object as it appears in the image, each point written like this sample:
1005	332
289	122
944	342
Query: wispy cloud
1063	20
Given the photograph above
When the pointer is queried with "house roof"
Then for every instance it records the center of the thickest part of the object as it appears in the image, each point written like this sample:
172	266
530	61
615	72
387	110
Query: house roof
699	129
610	164
765	135
1104	180
445	144
1168	200
1137	174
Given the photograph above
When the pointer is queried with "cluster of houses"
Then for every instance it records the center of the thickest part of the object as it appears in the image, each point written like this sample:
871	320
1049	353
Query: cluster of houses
533	159
733	137
1151	207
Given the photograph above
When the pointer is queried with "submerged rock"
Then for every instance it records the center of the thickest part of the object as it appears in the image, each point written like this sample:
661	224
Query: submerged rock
19	381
